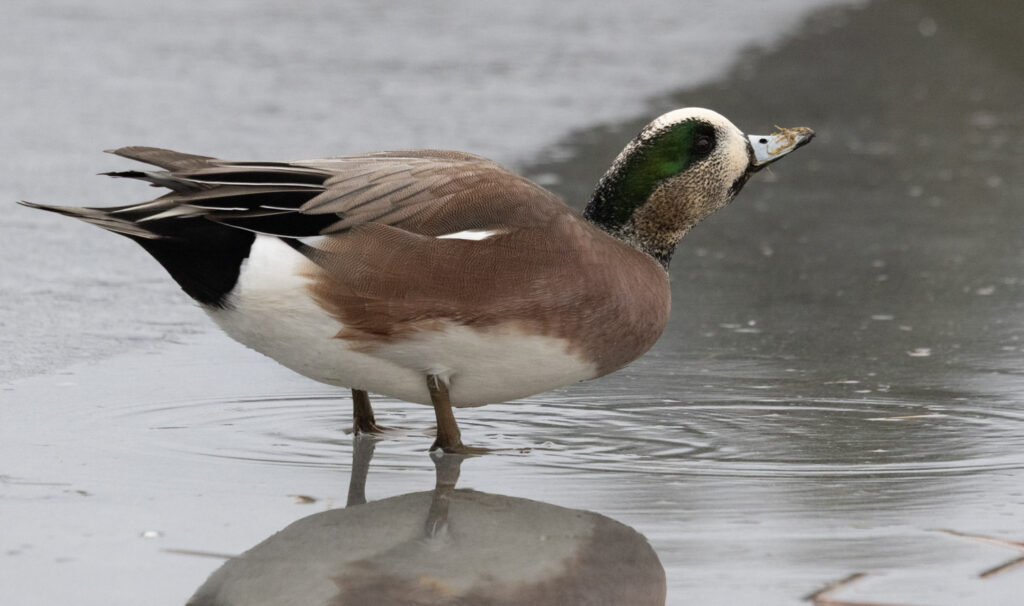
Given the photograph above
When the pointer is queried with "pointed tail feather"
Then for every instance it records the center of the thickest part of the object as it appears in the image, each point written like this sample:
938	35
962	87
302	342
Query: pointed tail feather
157	179
164	158
99	217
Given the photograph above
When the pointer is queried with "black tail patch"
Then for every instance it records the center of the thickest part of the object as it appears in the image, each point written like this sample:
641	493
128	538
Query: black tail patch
202	256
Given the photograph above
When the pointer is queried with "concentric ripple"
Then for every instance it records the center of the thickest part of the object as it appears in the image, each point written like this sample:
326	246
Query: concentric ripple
309	429
756	435
764	437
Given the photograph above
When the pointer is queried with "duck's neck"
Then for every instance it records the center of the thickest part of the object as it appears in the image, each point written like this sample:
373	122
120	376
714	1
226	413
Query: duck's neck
638	210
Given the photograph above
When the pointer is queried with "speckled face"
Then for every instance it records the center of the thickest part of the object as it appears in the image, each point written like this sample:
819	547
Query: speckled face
720	152
682	167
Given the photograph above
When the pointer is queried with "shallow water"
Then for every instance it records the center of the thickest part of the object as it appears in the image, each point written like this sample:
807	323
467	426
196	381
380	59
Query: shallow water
747	486
839	391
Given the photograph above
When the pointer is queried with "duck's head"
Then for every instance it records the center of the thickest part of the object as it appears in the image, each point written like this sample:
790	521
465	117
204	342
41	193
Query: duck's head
682	167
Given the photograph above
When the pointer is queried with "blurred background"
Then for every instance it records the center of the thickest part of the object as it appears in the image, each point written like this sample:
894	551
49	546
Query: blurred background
839	390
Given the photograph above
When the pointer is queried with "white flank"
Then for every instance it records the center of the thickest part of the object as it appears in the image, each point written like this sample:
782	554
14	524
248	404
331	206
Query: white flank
472	234
484	366
271	311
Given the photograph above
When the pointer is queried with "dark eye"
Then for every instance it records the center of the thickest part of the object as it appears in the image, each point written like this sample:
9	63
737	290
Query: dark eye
703	145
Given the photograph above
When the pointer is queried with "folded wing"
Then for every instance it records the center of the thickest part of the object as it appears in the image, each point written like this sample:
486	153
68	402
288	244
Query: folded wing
427	192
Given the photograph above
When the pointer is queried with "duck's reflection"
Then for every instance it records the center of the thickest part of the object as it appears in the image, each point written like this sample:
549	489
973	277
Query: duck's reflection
446	546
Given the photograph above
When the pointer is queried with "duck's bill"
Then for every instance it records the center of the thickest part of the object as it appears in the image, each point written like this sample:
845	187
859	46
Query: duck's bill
769	148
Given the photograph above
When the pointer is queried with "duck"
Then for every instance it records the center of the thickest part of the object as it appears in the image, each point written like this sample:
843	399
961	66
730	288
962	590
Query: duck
432	276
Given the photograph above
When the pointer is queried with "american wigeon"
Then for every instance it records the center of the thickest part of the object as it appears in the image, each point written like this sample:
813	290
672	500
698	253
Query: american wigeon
438	277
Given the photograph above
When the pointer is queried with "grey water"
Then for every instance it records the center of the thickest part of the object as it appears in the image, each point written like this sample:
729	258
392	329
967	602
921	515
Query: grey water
839	391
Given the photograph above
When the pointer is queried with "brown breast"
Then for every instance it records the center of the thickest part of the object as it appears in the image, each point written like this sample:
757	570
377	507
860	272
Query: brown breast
564	279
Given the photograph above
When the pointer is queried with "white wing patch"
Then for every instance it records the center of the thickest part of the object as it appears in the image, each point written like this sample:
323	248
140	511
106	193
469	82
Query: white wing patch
473	234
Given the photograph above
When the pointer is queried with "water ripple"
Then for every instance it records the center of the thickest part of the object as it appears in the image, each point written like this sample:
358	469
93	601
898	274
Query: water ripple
758	436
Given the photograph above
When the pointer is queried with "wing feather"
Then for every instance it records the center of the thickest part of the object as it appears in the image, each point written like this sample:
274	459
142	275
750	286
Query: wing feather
427	192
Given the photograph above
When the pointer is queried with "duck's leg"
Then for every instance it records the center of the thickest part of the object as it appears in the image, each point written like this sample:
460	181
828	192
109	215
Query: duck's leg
449	438
362	414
